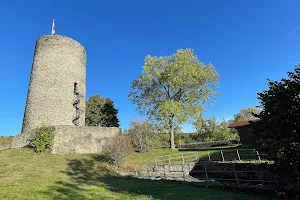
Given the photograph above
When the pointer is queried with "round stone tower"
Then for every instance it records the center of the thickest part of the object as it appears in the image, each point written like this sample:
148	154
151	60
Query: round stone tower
56	94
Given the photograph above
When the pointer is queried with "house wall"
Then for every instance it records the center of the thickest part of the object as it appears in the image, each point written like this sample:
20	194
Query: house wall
248	136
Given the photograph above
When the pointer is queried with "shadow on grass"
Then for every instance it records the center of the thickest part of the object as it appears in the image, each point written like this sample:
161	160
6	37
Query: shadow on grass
90	179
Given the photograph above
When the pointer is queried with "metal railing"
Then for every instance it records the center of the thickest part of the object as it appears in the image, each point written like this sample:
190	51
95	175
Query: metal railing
238	155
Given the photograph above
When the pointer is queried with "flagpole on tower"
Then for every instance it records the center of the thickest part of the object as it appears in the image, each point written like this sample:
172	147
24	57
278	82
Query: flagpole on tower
53	28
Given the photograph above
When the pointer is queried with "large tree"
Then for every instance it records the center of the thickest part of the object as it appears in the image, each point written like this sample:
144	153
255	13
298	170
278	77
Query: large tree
100	111
173	89
246	114
279	125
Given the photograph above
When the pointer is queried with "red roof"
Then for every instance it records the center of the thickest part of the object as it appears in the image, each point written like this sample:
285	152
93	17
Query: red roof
240	124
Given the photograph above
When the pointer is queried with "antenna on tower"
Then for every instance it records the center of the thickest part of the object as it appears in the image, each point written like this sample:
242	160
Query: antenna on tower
53	28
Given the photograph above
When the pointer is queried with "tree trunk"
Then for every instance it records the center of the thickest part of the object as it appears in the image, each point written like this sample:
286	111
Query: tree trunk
172	143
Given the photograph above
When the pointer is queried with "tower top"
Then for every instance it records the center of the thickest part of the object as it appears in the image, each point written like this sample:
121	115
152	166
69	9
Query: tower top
53	28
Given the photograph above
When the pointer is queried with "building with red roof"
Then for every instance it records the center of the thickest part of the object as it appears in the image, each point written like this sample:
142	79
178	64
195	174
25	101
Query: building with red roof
248	135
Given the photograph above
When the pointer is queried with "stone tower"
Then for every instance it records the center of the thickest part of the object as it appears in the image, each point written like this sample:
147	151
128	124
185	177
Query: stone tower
57	88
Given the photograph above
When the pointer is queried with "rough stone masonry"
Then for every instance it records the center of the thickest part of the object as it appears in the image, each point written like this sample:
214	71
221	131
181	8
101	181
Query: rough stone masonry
56	97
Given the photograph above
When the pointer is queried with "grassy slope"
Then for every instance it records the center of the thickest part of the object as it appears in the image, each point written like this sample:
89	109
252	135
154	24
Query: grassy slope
6	140
27	175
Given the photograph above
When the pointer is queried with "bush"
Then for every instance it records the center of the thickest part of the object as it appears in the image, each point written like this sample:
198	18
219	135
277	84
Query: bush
159	140
42	139
279	124
189	138
141	133
117	148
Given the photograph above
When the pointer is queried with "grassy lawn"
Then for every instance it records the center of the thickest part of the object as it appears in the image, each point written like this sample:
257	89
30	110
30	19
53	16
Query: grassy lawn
5	142
27	175
6	139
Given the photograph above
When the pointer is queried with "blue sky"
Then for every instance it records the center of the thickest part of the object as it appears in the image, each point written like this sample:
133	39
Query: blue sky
247	42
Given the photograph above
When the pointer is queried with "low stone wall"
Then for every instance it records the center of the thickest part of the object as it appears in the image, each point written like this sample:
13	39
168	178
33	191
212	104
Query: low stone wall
231	171
74	139
81	139
4	146
251	173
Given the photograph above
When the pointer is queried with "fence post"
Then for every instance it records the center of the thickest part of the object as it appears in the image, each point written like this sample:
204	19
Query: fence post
149	173
237	152
205	172
196	155
208	155
165	173
136	174
236	177
258	156
182	158
183	175
222	156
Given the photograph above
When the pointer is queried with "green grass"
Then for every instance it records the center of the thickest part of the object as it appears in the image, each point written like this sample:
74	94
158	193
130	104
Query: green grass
28	175
6	140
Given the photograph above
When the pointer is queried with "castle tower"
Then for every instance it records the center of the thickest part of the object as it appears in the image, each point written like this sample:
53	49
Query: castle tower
57	88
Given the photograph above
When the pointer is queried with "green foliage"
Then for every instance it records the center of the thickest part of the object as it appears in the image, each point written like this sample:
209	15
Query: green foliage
189	138
159	140
173	89
246	114
179	142
212	130
100	111
42	139
140	133
279	125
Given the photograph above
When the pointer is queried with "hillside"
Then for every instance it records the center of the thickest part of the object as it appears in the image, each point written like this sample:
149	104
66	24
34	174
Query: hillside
28	175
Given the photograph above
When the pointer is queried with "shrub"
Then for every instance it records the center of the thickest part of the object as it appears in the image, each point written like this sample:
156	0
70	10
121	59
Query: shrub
189	138
117	148
42	139
279	124
141	133
179	142
159	140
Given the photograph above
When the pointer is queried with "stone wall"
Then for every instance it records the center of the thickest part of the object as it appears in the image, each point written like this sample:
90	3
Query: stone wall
76	139
210	171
